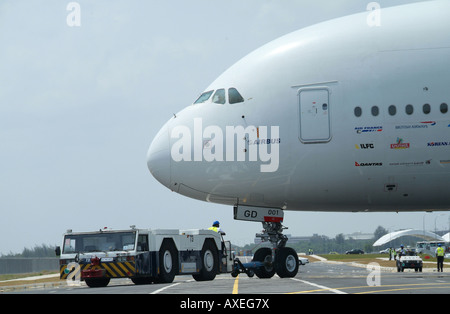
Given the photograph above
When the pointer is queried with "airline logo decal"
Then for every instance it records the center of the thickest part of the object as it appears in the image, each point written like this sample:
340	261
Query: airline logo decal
368	129
421	125
411	163
435	144
399	144
365	146
368	164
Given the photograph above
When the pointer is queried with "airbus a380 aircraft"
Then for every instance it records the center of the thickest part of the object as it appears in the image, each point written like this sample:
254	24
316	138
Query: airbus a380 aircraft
339	116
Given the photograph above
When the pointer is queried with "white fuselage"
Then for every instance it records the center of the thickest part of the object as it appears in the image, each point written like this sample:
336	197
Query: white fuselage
356	117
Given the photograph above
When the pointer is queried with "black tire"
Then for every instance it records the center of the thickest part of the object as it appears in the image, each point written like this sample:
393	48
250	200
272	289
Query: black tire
168	262
286	262
142	280
209	262
264	255
97	282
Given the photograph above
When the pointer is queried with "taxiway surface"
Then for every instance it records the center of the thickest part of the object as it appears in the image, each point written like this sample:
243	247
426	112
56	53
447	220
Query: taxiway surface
313	278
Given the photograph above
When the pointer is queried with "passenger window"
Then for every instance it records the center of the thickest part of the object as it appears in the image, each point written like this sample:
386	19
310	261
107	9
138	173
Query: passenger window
426	109
358	112
409	109
375	111
219	97
444	108
392	110
204	97
234	97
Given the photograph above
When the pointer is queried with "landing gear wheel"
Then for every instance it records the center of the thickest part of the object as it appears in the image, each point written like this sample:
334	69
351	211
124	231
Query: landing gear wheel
210	262
168	261
264	255
286	262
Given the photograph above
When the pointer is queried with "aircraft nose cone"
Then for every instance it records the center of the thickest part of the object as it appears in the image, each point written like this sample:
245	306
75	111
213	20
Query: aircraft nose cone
158	157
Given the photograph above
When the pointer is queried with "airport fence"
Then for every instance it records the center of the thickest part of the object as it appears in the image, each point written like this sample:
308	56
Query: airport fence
28	265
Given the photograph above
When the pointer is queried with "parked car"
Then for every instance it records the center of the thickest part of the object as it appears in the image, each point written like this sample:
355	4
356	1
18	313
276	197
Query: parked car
355	251
303	261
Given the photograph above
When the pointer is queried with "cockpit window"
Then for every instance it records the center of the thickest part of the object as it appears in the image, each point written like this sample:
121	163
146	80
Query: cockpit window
219	97
234	97
204	97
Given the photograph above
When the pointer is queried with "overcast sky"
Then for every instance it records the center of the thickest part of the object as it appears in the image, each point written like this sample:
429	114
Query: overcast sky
80	105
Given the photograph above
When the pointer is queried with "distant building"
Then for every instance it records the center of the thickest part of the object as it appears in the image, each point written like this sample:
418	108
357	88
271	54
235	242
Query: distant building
359	236
423	234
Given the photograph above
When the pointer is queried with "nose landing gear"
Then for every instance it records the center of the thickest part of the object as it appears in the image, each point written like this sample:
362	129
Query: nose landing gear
266	261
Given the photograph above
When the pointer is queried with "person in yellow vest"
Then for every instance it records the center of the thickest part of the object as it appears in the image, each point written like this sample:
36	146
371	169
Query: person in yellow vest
216	227
440	258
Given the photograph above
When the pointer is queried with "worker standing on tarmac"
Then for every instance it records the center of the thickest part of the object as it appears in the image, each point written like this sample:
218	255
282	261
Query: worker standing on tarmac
216	227
440	258
402	251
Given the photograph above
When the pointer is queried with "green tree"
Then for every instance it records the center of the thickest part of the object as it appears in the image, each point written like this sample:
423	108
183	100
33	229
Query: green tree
379	232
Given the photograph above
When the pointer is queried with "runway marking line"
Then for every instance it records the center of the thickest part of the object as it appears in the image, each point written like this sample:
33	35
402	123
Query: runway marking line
322	288
405	287
400	289
164	288
236	285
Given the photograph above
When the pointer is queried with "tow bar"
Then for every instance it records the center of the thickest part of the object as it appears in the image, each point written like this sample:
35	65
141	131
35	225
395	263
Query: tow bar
247	268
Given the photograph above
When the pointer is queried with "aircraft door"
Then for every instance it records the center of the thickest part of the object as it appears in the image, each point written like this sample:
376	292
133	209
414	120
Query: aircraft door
314	111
